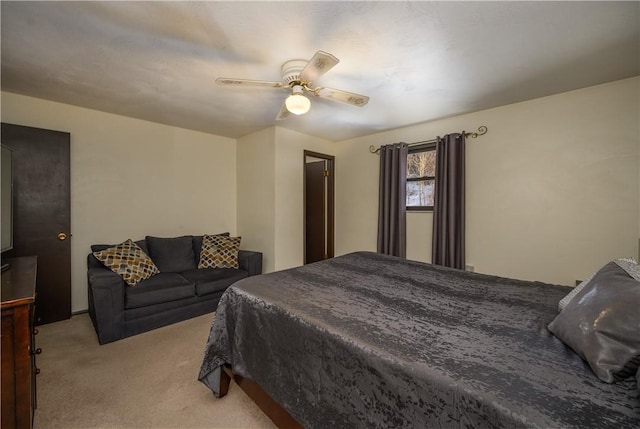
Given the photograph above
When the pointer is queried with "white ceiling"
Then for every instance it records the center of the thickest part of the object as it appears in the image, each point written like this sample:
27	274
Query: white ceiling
418	61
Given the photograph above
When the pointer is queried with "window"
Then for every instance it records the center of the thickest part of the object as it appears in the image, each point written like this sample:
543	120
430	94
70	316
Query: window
421	177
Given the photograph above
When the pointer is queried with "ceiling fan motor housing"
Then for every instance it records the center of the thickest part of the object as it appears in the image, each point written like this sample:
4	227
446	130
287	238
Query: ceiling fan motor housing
291	71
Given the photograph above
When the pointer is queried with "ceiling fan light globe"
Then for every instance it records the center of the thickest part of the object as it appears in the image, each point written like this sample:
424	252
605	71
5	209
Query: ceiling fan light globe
297	104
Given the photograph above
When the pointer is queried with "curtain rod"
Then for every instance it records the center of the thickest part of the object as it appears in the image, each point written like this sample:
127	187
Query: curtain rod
482	130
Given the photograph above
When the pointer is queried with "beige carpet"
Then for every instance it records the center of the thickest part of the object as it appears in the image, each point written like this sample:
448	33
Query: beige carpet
145	381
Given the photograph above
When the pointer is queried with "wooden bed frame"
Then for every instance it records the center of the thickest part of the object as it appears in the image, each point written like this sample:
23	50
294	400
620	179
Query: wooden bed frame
271	408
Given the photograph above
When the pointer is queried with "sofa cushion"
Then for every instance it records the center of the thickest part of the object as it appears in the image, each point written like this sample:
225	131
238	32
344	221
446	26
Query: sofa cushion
210	280
219	252
128	260
172	255
163	287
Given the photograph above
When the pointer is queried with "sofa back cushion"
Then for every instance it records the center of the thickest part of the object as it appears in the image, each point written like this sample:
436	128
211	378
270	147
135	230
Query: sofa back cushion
172	255
98	247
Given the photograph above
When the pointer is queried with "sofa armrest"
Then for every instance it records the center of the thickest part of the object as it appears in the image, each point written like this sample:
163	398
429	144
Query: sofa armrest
106	303
250	261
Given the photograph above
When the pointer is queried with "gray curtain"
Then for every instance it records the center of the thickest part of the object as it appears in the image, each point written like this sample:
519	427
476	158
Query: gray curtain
392	202
448	206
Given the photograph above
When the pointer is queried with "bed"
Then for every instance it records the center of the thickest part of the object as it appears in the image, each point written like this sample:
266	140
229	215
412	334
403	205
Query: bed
373	341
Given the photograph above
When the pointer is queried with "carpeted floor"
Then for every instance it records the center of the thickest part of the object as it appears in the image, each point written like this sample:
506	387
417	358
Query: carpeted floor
145	381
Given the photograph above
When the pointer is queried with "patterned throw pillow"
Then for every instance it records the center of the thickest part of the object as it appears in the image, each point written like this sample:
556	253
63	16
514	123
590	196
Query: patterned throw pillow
219	251
128	260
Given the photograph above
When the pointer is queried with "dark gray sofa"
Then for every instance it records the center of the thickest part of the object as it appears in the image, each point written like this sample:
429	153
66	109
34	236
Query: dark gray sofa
179	292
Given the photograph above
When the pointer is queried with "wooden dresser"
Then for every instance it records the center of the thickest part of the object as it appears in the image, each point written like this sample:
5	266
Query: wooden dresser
18	345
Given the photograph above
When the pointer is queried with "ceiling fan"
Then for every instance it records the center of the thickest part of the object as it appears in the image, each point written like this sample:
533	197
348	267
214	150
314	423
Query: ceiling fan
298	76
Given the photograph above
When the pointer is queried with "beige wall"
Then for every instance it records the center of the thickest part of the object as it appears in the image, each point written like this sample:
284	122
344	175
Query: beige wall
132	178
256	194
270	193
289	202
552	189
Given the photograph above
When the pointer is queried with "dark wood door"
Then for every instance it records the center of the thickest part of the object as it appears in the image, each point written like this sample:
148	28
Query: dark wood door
318	206
315	212
41	188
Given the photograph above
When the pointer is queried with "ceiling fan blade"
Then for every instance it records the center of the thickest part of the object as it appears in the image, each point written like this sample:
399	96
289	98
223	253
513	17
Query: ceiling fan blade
342	96
284	113
321	63
247	82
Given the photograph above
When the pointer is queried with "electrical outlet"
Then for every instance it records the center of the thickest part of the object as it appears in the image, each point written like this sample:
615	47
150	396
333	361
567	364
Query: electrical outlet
470	267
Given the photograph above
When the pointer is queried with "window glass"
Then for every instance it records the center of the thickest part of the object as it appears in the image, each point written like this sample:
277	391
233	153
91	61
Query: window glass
420	193
421	172
421	164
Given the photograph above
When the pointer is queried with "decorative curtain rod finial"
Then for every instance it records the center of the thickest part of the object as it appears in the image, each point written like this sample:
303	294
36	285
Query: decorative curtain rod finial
482	130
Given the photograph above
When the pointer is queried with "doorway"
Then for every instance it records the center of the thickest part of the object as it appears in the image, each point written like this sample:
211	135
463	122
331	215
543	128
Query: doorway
319	172
42	213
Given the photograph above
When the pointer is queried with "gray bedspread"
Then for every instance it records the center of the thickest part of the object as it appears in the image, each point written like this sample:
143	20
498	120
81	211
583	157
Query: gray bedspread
367	340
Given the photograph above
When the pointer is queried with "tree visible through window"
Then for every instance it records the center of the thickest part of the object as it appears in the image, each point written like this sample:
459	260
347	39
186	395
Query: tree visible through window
421	173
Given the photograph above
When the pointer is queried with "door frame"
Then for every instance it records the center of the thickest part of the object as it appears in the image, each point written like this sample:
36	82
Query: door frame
330	202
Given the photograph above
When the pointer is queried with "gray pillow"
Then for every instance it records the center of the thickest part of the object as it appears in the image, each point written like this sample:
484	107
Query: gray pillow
172	255
602	324
628	262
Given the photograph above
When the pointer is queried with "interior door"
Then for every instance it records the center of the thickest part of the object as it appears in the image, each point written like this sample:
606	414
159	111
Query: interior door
318	209
42	220
315	209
